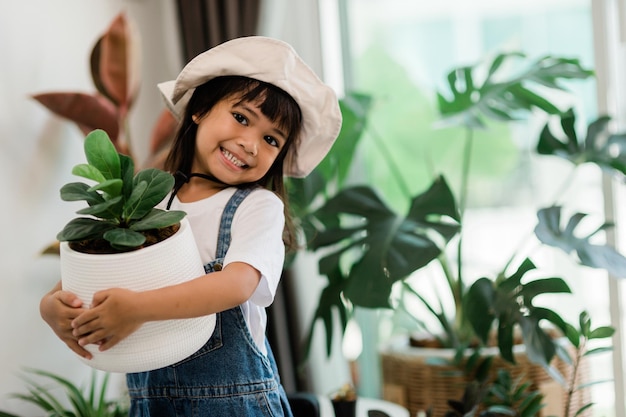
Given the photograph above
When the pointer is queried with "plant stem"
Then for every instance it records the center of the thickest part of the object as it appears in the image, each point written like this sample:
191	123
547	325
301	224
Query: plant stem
465	172
572	384
393	167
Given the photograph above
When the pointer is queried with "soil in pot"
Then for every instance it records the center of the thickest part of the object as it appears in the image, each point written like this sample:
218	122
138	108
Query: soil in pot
101	246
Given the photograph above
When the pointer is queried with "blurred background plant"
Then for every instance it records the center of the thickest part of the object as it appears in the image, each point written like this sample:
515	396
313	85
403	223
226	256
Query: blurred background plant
60	397
365	247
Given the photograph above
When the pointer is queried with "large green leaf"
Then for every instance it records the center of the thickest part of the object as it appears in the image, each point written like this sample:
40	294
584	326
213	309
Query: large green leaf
599	146
108	209
330	301
124	238
509	303
112	188
549	232
472	97
101	153
76	191
150	188
83	228
157	219
389	247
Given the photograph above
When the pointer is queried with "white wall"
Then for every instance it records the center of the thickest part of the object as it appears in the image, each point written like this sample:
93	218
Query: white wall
44	46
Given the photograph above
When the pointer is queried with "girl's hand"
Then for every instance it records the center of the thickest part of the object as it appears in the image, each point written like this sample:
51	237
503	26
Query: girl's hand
58	308
112	317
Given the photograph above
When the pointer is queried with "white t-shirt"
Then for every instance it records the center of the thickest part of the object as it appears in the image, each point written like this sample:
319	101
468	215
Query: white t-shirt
256	239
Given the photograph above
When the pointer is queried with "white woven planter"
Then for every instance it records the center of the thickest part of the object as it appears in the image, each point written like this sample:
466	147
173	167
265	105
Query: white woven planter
155	344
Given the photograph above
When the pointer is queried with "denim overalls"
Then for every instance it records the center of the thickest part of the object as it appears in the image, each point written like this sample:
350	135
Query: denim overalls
228	376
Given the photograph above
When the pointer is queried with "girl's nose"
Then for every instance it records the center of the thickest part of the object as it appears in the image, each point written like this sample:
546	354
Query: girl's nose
249	144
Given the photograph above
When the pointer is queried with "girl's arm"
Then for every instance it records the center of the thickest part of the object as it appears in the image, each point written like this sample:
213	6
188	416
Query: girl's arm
58	308
116	313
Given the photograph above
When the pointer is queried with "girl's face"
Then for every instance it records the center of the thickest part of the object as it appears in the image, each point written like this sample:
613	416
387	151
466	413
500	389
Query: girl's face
236	143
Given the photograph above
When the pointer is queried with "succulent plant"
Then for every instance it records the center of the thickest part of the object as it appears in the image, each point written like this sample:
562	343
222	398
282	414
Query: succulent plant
121	205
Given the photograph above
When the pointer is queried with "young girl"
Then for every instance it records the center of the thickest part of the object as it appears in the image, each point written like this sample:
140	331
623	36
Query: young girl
251	112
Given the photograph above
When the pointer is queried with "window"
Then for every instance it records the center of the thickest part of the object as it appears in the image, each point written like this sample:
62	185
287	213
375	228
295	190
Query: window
399	51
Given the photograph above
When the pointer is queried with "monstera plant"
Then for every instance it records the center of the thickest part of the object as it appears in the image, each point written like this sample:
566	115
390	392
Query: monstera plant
366	249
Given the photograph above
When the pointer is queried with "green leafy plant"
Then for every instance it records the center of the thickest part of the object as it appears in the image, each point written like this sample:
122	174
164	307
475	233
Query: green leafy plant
501	397
121	204
90	401
582	339
366	248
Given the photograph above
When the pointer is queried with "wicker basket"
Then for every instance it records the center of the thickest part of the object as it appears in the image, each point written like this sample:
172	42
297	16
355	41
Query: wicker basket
410	381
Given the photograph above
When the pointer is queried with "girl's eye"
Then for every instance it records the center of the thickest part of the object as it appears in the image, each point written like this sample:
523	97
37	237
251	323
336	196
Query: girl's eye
272	141
240	118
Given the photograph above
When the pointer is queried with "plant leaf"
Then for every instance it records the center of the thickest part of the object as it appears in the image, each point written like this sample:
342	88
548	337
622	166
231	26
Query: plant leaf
549	232
101	154
122	238
504	96
158	219
88	111
388	247
114	66
83	228
76	191
600	147
110	209
150	188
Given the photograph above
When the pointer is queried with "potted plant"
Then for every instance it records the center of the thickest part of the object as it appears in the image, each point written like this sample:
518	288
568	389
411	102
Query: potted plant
124	241
368	250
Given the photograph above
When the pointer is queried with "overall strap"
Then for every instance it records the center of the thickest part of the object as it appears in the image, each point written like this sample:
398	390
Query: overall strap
223	241
223	238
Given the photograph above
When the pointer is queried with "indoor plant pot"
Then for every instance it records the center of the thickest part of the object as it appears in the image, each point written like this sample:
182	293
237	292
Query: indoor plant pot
123	241
154	344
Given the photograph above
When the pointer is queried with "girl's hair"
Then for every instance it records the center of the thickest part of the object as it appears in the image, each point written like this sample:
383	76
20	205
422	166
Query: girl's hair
274	103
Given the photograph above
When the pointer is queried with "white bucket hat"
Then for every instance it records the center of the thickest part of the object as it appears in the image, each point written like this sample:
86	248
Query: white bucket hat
274	62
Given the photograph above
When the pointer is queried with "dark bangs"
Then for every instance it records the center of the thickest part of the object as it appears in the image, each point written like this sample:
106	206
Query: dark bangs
276	105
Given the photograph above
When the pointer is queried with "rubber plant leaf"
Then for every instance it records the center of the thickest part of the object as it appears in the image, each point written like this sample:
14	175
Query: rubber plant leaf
163	132
549	232
88	111
599	146
501	94
383	247
115	66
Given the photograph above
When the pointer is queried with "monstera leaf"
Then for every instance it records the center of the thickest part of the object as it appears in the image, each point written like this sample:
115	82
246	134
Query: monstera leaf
549	231
474	98
382	246
606	150
509	302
